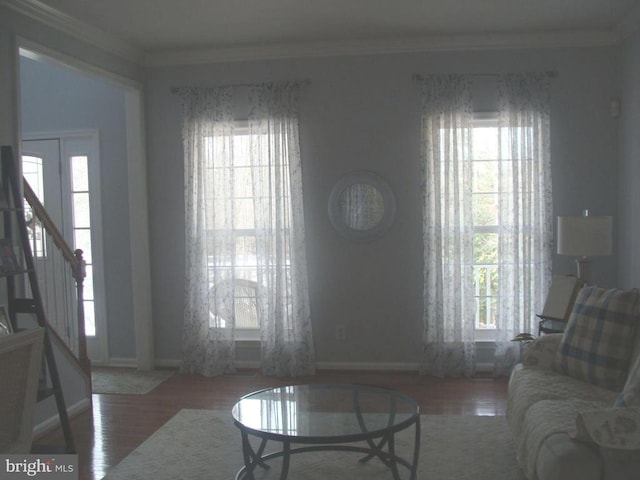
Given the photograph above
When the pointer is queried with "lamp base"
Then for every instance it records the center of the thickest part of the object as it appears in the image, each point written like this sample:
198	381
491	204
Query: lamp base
583	265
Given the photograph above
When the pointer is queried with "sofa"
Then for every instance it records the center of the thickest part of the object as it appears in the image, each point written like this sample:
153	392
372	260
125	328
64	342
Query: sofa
574	400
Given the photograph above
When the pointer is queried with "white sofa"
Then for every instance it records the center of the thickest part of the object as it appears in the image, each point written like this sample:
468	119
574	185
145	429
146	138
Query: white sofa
567	426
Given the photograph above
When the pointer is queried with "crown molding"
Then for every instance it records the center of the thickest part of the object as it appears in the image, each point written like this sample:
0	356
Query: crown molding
382	46
40	53
437	43
82	31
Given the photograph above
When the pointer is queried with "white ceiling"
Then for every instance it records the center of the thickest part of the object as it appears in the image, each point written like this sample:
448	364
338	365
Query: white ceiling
154	26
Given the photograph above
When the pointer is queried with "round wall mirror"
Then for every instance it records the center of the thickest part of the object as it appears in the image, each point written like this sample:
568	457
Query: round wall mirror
362	206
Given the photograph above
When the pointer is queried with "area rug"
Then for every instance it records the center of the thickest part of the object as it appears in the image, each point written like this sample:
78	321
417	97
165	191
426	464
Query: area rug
204	444
126	380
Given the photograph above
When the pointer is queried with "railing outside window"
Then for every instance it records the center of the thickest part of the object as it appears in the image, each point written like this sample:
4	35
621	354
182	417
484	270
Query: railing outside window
486	294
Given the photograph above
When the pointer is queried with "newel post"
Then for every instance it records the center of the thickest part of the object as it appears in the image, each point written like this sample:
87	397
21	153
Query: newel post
79	274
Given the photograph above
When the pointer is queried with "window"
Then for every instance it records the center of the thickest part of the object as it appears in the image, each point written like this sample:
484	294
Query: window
33	173
485	197
235	201
242	225
491	191
492	187
32	170
487	232
82	233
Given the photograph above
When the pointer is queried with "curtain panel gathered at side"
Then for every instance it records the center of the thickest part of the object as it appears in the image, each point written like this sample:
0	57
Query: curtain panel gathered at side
523	215
448	336
525	211
246	199
283	299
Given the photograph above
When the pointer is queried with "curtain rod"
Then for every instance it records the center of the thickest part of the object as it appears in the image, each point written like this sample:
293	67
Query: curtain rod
303	82
550	74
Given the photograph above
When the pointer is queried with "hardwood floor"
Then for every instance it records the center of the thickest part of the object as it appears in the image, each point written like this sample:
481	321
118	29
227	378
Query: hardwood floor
117	424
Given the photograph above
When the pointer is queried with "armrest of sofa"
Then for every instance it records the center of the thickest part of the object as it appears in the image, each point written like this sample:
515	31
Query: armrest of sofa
542	351
611	428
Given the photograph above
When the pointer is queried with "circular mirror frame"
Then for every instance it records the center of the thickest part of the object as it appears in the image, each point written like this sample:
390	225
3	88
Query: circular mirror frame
337	217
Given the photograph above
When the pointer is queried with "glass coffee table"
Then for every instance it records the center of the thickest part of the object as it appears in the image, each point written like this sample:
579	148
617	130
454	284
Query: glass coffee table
325	417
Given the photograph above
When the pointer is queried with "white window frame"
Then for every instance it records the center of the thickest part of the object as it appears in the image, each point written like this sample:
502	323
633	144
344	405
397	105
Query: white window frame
241	128
484	119
85	143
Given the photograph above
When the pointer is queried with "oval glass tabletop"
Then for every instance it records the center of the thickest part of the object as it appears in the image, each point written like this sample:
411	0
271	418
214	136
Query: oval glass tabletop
324	412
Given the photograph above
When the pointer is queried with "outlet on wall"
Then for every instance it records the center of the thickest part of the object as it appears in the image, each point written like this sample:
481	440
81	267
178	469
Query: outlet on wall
341	332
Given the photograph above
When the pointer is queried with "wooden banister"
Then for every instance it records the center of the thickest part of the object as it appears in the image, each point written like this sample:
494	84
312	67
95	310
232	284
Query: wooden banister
73	258
42	215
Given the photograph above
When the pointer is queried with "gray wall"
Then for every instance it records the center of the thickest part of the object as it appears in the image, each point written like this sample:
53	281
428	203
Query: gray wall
629	192
14	25
59	99
363	112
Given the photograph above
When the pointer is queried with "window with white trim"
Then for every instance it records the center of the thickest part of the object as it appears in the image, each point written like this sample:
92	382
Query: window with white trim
489	164
485	223
80	204
232	182
32	170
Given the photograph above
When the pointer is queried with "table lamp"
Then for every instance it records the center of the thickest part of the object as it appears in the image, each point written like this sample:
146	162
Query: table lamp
584	237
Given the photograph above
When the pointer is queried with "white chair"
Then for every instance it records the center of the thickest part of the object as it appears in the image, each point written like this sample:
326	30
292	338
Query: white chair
20	367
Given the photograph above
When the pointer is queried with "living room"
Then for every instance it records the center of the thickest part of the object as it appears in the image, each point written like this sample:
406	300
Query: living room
359	111
362	113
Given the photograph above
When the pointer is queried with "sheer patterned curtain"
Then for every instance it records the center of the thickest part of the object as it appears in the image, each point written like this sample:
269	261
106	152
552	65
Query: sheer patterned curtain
282	299
208	339
522	212
449	312
525	209
244	226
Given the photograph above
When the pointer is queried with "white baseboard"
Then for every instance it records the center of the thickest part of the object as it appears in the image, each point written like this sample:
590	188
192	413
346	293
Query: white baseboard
53	422
117	362
122	362
338	366
369	366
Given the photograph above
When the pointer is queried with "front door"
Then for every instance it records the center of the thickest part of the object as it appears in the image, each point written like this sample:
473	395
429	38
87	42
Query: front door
63	172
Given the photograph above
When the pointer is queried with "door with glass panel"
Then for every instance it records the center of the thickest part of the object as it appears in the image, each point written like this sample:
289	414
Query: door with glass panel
63	173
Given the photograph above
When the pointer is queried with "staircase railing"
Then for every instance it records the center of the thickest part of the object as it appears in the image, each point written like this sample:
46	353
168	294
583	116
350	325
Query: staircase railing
68	326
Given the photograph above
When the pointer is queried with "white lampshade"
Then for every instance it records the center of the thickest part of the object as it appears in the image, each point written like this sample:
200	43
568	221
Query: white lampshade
585	236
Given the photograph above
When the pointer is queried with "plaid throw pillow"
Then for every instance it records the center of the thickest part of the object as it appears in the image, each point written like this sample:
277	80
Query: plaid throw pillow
597	342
